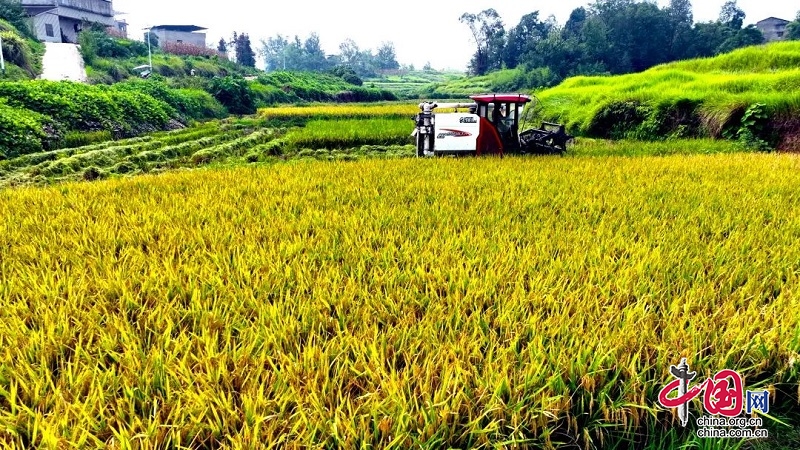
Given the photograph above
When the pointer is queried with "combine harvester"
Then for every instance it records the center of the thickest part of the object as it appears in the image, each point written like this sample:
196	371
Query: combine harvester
490	127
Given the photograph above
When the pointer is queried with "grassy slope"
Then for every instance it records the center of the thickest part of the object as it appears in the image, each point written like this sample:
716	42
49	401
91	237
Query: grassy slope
412	84
463	87
23	55
711	94
436	303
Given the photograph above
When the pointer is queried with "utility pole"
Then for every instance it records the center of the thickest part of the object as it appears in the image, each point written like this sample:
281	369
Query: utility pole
149	51
2	60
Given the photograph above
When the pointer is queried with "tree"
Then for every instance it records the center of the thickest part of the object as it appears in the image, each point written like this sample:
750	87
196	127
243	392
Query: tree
522	39
650	37
362	62
681	20
731	15
386	58
349	52
575	22
680	13
222	47
488	34
793	29
315	58
741	38
13	13
245	55
273	50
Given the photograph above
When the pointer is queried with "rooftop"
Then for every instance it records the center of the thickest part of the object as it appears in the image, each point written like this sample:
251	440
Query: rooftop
772	18
184	28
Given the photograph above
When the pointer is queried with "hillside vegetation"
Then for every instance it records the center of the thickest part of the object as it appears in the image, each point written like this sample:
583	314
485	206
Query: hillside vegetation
112	59
751	95
41	115
22	53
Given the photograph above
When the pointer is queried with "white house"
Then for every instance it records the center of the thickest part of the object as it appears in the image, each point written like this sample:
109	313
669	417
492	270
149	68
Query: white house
61	20
179	34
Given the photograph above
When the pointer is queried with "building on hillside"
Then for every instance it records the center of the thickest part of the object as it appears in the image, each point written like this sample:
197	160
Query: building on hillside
62	20
179	34
773	28
121	28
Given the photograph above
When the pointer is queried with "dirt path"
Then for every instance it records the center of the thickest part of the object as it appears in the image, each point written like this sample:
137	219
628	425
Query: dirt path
63	62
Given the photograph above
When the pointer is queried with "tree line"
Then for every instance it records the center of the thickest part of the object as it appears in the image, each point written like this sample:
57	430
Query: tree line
607	37
281	53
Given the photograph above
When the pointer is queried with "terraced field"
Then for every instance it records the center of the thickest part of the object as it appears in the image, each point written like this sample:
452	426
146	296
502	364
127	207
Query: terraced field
227	141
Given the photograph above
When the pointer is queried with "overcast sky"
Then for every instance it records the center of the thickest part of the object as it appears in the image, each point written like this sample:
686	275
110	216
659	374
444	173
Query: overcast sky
421	31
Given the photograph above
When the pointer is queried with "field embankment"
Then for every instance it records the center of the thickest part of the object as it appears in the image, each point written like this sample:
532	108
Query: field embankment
432	303
751	95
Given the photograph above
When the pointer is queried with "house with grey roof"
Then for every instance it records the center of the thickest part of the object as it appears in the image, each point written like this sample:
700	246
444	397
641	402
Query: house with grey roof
179	34
62	20
773	28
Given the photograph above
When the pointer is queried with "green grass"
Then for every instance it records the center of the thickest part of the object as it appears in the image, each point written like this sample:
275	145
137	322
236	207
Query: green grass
603	148
412	84
700	98
23	55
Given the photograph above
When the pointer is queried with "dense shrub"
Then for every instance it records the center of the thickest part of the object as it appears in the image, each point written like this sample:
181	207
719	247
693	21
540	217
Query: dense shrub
98	43
235	94
21	132
17	51
270	95
184	49
89	108
202	104
189	103
616	119
347	74
315	87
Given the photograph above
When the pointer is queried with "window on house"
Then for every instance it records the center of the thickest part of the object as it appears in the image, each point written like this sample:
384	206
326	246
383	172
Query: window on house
48	30
780	34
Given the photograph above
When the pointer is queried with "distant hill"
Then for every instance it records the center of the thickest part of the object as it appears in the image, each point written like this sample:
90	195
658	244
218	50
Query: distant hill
751	94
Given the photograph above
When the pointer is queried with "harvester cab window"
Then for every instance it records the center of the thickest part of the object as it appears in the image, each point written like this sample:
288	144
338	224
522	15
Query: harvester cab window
505	118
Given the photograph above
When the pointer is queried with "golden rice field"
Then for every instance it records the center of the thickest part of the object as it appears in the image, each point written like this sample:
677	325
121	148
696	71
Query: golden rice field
341	111
466	303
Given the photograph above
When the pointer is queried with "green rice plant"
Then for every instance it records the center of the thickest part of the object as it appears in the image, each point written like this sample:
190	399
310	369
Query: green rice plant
84	138
351	133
